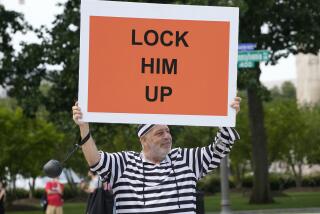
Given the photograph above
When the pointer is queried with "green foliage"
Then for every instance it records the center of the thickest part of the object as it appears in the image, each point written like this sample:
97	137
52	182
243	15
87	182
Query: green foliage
313	123
241	154
27	73
209	184
311	181
278	182
282	122
17	194
60	46
286	91
194	137
302	200
23	142
44	93
10	23
291	131
281	182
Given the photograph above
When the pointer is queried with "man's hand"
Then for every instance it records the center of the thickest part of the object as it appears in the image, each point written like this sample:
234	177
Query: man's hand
236	104
89	149
77	115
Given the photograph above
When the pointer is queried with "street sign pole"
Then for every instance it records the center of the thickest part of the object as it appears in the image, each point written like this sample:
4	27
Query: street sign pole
224	178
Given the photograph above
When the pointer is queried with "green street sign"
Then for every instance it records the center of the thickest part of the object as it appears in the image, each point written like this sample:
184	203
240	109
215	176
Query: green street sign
246	64
253	56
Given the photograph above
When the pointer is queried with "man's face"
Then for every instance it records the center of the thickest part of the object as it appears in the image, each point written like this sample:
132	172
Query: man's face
158	141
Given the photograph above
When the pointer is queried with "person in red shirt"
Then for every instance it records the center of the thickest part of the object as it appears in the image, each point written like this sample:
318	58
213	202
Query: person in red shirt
54	190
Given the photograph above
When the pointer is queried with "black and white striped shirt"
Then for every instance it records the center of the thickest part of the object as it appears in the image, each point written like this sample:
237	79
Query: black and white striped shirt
169	187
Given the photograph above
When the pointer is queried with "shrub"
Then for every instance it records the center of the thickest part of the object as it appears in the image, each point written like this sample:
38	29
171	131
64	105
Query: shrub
211	184
17	194
311	181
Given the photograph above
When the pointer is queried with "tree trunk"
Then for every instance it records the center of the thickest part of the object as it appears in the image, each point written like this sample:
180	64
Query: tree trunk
297	175
238	175
261	188
299	184
14	187
31	187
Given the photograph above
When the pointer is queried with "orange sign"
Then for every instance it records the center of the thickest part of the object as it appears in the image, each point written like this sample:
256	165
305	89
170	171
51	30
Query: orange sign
158	66
158	63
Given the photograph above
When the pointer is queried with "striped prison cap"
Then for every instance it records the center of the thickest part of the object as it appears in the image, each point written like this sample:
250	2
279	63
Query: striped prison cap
144	129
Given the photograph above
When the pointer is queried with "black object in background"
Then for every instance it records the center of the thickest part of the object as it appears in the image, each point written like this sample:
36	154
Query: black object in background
100	202
53	168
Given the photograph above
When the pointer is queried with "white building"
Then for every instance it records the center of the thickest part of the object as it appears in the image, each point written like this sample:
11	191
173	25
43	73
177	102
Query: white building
308	78
3	93
40	182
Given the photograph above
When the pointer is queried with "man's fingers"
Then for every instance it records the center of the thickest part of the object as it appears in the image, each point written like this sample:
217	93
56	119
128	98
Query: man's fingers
76	111
77	117
78	114
76	108
235	106
235	103
237	99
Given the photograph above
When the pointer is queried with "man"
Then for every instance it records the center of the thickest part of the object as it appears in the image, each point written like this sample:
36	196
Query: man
54	190
158	179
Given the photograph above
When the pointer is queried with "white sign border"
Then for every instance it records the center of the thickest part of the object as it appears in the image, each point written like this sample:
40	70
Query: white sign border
157	11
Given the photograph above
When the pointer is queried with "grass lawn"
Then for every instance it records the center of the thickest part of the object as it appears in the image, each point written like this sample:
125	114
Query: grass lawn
291	200
238	202
68	208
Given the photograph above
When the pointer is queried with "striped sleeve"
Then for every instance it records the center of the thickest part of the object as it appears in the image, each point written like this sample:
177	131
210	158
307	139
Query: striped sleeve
110	166
203	160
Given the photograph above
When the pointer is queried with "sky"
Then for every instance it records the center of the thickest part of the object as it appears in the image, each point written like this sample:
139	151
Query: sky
42	12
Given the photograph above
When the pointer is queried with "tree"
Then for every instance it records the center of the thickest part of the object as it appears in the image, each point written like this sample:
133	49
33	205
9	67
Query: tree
10	23
287	31
27	74
297	141
287	138
288	90
23	144
42	137
292	26
313	118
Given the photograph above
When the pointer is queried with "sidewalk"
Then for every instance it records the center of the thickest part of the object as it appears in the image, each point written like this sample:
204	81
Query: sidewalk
276	211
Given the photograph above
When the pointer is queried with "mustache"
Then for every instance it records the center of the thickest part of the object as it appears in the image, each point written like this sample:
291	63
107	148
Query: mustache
167	142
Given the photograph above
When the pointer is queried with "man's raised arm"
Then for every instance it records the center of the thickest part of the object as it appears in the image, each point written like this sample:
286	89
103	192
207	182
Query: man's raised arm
89	148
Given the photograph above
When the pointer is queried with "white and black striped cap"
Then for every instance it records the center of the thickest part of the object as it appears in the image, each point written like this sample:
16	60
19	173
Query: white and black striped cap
144	129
